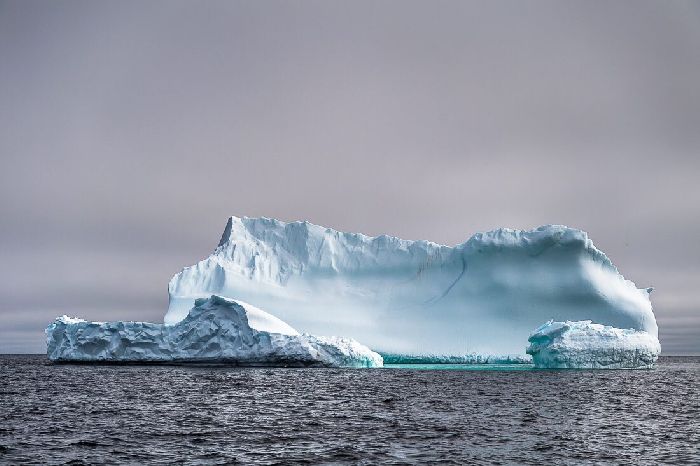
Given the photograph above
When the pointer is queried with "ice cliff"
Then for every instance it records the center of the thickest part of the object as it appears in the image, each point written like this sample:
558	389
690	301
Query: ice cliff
414	298
216	330
585	345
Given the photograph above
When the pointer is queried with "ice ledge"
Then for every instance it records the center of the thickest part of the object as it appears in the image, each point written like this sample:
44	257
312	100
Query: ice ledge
585	345
277	232
216	330
469	358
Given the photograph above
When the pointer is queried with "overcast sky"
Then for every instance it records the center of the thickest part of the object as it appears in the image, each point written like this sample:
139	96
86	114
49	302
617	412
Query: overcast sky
130	131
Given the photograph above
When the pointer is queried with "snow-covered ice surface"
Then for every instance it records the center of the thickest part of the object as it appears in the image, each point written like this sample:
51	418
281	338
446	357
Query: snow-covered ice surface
216	330
585	345
415	298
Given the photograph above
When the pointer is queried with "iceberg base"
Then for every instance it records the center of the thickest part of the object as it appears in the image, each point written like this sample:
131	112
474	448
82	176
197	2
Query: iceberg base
585	345
470	358
216	331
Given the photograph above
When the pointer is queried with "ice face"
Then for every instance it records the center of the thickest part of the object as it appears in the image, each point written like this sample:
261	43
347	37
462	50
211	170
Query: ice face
585	345
402	297
216	330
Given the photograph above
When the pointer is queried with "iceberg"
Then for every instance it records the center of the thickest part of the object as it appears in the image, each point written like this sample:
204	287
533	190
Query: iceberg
481	297
216	330
585	345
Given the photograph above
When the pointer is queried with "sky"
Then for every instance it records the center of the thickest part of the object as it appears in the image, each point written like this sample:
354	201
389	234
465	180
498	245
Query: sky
130	131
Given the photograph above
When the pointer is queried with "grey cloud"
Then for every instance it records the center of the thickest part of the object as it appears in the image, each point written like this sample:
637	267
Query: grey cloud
129	131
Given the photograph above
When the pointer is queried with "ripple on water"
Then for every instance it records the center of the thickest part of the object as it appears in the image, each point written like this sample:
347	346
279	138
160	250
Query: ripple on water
165	414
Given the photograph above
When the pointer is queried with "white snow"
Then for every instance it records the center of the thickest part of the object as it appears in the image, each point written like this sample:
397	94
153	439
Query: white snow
69	320
264	322
416	297
216	330
585	345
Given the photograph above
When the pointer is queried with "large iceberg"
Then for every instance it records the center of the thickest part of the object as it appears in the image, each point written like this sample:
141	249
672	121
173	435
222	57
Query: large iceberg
415	298
585	345
216	330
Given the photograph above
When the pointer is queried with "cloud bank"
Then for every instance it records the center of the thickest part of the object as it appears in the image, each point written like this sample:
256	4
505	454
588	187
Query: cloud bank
130	131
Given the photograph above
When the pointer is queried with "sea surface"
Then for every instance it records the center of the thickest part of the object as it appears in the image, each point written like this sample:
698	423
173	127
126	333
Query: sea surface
81	414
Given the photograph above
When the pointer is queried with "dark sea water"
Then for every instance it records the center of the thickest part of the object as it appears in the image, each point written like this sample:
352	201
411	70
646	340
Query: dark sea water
56	414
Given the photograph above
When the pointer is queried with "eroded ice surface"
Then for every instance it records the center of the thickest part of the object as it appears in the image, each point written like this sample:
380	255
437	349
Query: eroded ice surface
585	345
215	330
415	298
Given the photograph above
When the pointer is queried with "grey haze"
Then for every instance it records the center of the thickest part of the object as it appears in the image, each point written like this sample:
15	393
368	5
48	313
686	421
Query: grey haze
130	131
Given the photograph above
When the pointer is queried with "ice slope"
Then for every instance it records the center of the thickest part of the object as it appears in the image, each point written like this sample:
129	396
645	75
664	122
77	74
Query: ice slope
216	330
483	296
585	345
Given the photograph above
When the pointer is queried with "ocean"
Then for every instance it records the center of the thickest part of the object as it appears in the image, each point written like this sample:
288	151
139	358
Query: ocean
91	414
